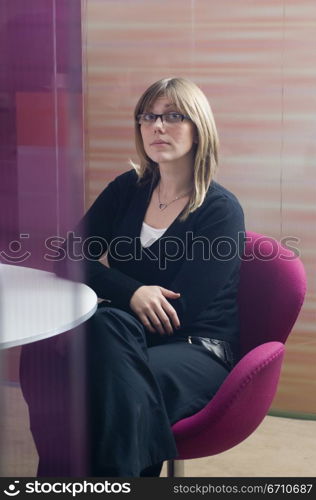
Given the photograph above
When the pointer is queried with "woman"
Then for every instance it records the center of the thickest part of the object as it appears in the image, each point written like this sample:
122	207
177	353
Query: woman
166	335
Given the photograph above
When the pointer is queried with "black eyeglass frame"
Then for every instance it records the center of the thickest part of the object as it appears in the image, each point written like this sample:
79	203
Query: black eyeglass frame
183	117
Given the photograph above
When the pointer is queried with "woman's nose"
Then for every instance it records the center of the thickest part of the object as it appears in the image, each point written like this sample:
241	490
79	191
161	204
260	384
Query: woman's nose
159	124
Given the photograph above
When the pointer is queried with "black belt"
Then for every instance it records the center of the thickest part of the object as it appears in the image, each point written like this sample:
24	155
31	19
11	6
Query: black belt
219	349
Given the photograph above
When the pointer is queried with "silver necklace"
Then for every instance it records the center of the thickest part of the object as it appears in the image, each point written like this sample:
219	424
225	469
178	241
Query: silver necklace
162	206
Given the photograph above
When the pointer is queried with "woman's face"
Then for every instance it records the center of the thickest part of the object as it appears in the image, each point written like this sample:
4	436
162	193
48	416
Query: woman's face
166	142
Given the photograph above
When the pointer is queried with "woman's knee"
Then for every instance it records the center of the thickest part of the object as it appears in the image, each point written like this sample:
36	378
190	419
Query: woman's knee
116	319
111	326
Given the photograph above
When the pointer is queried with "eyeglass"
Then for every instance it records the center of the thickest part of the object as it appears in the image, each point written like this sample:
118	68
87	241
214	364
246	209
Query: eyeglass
169	118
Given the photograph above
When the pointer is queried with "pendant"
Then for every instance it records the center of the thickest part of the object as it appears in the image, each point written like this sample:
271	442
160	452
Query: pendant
162	206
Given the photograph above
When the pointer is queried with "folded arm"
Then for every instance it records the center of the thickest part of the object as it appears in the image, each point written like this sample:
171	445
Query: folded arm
95	232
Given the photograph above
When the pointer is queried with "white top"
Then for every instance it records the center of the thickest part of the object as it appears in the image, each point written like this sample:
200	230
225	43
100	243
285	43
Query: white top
35	305
150	234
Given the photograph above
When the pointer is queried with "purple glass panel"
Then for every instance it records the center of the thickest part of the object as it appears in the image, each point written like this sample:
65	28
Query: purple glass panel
41	148
40	102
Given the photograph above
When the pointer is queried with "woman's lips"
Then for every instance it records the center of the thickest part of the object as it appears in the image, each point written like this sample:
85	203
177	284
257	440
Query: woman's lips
159	143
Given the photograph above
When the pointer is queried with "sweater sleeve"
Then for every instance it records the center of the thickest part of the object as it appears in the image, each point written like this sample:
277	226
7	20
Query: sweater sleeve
93	236
213	261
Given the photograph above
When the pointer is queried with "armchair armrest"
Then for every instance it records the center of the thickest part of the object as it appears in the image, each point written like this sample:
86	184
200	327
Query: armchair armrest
237	408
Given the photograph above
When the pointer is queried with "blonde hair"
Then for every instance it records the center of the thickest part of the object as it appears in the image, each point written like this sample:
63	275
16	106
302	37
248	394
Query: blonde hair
191	101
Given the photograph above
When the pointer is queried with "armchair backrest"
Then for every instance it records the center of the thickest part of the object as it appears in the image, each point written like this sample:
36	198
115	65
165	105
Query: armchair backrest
271	291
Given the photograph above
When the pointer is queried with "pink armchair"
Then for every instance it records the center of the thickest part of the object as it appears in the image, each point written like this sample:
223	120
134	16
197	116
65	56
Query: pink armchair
271	293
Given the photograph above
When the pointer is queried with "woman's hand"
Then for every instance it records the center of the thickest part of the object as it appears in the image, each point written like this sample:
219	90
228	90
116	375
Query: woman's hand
154	311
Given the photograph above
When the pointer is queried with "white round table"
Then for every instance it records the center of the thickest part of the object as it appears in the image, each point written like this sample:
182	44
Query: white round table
35	305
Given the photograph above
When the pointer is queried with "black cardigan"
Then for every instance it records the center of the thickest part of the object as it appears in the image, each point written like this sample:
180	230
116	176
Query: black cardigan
200	257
